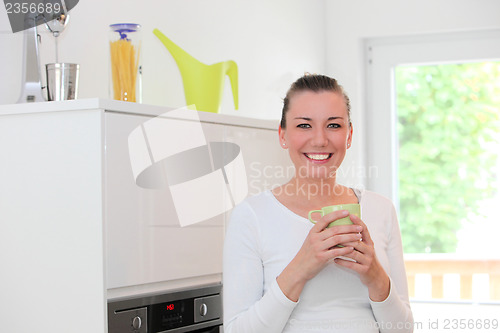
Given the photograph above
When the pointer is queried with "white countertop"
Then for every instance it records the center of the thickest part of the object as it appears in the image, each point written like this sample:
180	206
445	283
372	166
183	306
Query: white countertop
129	108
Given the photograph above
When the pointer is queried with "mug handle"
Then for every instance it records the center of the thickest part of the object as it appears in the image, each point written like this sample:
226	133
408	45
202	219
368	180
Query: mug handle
312	212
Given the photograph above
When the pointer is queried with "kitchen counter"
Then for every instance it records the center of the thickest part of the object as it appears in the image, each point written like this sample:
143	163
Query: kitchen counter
130	108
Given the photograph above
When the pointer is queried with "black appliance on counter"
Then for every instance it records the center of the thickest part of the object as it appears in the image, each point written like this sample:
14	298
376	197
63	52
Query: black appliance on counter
191	310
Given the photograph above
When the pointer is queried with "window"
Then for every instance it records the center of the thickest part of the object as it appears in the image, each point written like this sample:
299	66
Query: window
448	135
433	134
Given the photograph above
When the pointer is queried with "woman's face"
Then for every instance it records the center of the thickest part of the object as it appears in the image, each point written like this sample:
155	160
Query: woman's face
317	133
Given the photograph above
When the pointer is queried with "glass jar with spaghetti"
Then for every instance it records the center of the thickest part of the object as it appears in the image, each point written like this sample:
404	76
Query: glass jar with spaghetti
125	51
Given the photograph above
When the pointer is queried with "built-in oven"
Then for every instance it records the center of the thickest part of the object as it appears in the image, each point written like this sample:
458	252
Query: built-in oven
189	310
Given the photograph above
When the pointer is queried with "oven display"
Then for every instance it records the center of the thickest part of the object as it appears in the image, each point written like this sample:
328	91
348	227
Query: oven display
170	315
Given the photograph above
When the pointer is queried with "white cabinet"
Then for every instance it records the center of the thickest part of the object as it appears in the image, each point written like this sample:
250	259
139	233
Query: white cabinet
51	238
76	227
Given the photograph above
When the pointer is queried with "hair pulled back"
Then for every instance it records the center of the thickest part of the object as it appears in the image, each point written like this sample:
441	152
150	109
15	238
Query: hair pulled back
315	83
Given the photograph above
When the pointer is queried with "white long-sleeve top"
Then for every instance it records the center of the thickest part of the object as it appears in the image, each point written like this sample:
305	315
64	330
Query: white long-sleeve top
263	236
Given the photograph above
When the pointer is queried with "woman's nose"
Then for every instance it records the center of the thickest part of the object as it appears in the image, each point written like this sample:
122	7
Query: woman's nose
320	138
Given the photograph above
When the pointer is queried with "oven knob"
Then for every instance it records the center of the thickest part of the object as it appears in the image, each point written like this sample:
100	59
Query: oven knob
136	323
203	309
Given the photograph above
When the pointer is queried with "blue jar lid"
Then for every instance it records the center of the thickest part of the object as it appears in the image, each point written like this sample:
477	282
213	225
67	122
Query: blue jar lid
124	28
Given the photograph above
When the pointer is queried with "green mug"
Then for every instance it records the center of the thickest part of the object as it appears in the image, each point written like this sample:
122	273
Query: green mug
352	208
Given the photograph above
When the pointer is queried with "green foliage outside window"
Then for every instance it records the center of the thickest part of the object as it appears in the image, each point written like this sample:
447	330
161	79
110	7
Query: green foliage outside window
448	130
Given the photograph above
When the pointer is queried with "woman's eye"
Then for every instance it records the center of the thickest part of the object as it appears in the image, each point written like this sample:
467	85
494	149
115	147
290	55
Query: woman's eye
334	126
304	126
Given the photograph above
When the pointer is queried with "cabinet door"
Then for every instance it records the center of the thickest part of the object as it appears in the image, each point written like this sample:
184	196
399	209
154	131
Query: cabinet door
154	233
146	239
267	164
51	239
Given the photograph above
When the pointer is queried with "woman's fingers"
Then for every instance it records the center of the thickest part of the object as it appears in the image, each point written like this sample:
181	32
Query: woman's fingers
324	221
342	229
347	239
325	240
337	234
336	251
361	258
365	234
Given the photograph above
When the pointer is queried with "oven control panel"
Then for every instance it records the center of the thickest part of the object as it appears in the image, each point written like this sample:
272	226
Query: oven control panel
134	320
180	310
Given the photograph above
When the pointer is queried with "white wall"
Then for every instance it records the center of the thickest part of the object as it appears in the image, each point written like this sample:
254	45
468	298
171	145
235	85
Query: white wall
350	22
273	42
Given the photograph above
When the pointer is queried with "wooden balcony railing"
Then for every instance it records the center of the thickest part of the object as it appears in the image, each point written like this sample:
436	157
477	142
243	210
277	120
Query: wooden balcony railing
437	265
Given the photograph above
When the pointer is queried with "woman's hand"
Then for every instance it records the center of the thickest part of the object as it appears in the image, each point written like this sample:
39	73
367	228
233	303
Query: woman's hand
366	264
318	249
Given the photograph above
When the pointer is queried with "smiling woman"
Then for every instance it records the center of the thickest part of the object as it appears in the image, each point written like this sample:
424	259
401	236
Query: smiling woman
274	256
318	133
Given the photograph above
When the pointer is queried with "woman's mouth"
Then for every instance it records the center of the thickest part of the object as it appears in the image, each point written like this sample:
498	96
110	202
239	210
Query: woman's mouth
320	157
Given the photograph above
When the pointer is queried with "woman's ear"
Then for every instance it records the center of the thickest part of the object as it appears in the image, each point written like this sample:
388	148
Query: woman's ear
349	138
281	135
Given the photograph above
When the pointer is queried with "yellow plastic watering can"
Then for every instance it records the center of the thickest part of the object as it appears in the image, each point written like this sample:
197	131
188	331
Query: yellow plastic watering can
203	84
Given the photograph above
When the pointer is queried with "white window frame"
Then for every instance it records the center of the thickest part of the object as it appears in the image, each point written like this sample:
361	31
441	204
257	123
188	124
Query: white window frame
383	55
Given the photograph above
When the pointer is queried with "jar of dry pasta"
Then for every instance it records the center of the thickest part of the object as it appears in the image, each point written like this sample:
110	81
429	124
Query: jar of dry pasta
125	51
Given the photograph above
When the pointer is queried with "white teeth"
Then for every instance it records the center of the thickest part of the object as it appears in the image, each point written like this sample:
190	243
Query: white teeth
318	157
